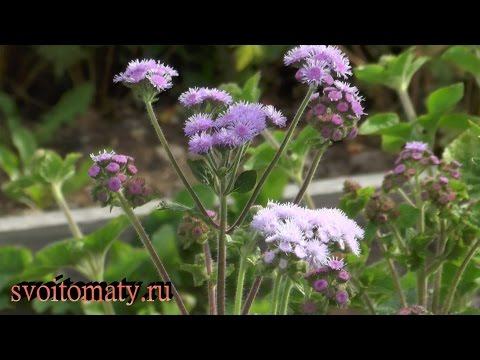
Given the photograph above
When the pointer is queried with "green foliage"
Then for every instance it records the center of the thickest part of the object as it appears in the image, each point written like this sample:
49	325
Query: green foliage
395	72
62	57
466	58
445	99
354	203
247	54
245	182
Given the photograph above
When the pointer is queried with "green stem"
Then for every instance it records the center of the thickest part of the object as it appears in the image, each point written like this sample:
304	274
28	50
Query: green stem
274	161
405	197
422	286
395	276
458	276
151	251
276	291
58	195
240	281
211	287
399	238
407	104
164	142
252	294
422	279
437	280
222	250
286	296
311	173
365	298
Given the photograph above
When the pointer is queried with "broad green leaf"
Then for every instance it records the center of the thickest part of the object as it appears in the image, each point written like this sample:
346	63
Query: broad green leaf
205	193
79	180
68	168
457	121
409	216
392	144
9	162
8	106
124	259
100	241
251	91
372	73
246	54
51	167
245	182
465	149
71	104
25	143
353	204
197	270
303	140
374	124
13	261
164	241
465	58
62	56
402	131
475	128
201	171
445	98
234	90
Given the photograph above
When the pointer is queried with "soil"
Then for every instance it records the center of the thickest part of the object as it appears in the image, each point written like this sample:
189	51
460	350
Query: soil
127	130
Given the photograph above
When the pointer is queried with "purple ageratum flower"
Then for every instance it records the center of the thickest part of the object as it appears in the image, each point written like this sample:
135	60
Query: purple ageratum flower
113	167
320	285
335	57
197	96
344	275
317	253
416	146
282	264
158	74
341	297
132	169
224	138
198	123
102	156
455	164
200	143
315	72
335	263
443	180
275	116
399	169
120	159
309	308
94	171
114	184
269	257
455	174
298	54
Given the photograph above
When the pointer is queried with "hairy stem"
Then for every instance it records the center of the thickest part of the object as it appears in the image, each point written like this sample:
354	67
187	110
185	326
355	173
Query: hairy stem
365	298
181	175
222	250
276	290
311	173
211	287
252	294
437	280
395	276
72	224
286	296
240	281
458	277
151	251
274	161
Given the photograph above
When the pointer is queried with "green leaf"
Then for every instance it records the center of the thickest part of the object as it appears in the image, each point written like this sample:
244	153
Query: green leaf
174	206
392	144
372	73
246	54
71	104
457	121
245	182
353	204
9	162
25	143
68	168
62	56
475	128
100	241
13	261
374	124
234	90
197	270
303	141
409	216
201	171
465	58
465	149
51	166
8	106
124	260
445	98
251	91
205	193
164	241
79	179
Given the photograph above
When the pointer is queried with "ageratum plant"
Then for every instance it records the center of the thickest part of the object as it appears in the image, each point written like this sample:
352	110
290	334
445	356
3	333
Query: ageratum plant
298	243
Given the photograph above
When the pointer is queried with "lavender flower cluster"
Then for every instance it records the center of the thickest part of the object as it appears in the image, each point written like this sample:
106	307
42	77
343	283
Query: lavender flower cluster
147	71
438	189
113	173
294	233
194	230
227	125
335	110
331	280
381	209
